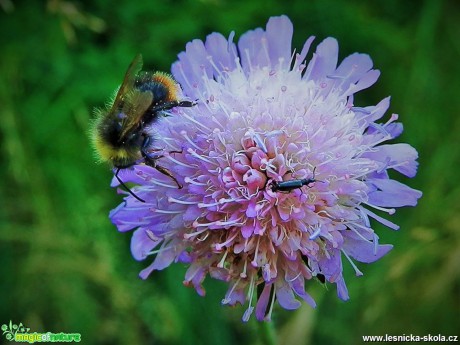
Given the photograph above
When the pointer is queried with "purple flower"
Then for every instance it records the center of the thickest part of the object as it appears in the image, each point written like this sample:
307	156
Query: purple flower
266	115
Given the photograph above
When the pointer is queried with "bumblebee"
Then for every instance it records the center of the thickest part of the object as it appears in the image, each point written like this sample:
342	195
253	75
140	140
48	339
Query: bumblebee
119	133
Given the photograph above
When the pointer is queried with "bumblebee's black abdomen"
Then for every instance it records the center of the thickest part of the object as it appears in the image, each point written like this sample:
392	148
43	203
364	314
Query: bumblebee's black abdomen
162	86
159	91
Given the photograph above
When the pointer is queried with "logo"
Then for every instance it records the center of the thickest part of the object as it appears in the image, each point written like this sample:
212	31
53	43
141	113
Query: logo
20	333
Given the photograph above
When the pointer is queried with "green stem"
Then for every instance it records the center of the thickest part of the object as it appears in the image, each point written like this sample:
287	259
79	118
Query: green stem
267	332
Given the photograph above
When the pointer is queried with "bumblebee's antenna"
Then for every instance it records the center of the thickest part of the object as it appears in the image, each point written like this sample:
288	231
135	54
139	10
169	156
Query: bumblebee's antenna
126	187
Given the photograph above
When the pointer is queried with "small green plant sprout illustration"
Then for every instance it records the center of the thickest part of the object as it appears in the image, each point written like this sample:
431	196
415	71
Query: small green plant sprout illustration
10	330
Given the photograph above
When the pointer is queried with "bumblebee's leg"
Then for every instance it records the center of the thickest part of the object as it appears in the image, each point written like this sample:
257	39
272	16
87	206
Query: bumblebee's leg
126	187
166	172
186	104
152	161
158	157
175	151
152	113
170	105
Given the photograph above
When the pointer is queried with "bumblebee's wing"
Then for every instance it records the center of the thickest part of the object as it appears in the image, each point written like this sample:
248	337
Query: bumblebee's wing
130	101
128	82
135	105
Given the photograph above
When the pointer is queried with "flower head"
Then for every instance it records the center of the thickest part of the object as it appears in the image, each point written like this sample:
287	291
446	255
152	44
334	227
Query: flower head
281	171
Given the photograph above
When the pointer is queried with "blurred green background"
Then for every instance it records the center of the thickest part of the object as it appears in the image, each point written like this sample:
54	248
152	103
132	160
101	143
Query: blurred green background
65	268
